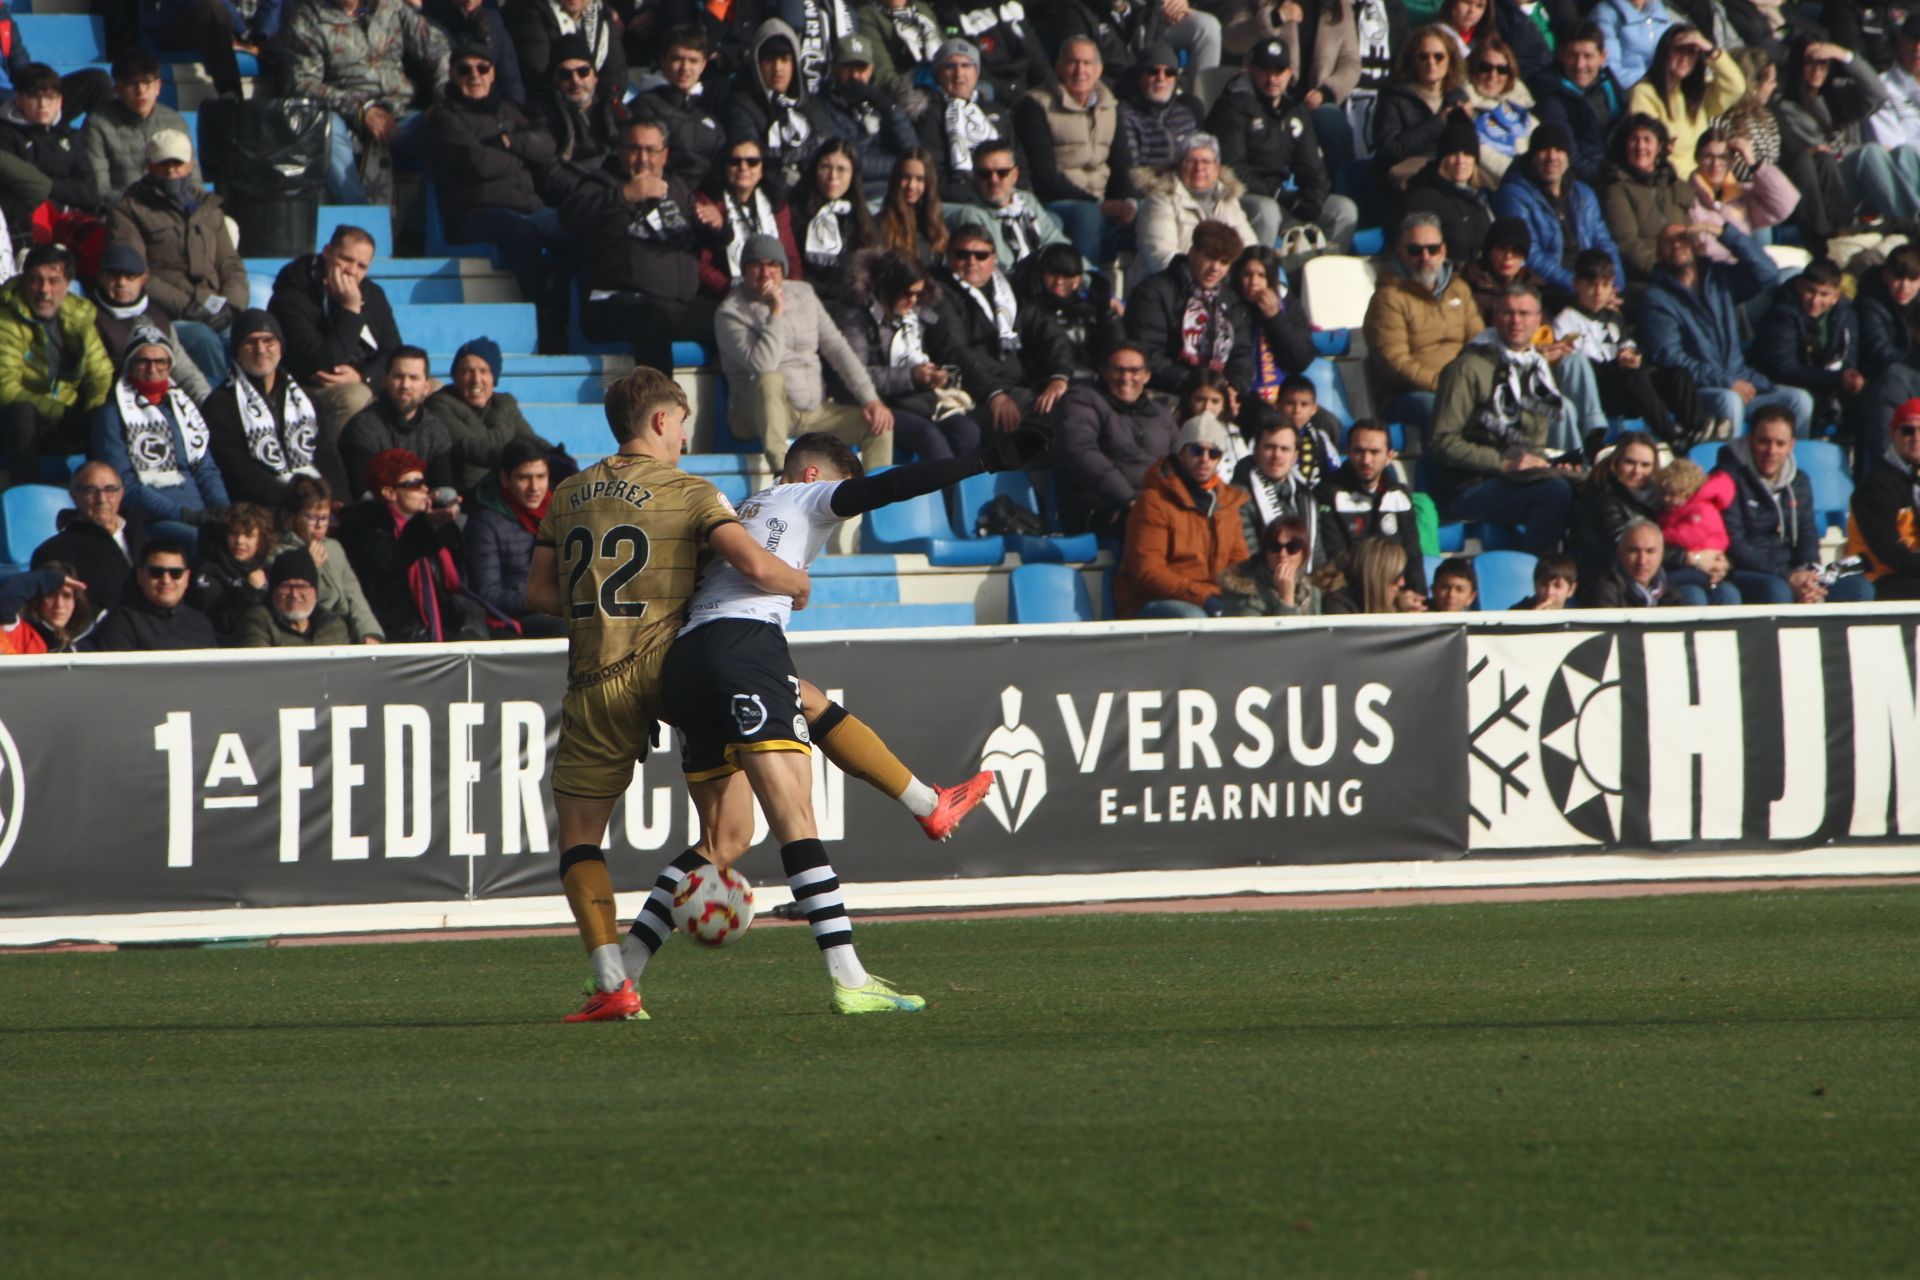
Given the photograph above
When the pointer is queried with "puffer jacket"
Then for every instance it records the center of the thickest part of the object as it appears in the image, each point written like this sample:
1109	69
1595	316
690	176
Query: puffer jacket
1631	34
1267	144
1247	591
1102	449
479	435
1638	206
499	551
259	628
190	256
1698	329
339	589
1074	152
55	150
1521	196
1154	130
485	154
1768	530
115	142
1789	348
1412	335
1156	314
967	338
1465	213
24	374
1404	125
1178	542
1886	337
535	30
1163	228
352	63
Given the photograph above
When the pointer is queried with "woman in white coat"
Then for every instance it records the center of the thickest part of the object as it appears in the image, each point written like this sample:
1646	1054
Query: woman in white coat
1198	190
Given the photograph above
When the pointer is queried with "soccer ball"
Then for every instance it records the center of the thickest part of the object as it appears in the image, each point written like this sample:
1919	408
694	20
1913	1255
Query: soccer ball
713	905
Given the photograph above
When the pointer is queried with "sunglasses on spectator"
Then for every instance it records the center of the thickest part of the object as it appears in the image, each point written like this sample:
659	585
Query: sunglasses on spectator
996	171
1292	547
1202	450
98	490
1488	68
1160	73
1427	250
159	571
574	73
474	69
971	255
749	162
415	483
1910	429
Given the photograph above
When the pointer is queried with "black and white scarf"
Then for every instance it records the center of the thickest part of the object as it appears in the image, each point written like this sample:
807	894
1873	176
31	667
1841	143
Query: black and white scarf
587	26
150	438
661	222
1001	308
966	127
1522	383
820	25
286	451
905	337
825	243
747	221
788	129
1206	330
1018	227
916	31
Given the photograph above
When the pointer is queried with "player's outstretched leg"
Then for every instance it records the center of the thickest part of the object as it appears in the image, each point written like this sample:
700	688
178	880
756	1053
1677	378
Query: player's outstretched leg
654	925
859	752
816	891
583	872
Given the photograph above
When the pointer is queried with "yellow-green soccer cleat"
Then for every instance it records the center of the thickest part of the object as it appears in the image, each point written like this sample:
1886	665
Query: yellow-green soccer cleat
875	997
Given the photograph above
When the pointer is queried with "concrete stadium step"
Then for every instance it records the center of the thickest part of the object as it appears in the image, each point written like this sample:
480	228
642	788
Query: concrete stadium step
875	617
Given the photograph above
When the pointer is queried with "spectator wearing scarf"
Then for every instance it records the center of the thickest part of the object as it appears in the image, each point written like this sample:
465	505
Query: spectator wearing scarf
957	119
507	509
1189	316
773	105
1884	523
265	430
537	26
406	553
153	435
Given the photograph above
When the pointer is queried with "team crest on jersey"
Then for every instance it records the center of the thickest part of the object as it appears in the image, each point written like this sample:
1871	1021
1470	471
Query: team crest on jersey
800	730
749	713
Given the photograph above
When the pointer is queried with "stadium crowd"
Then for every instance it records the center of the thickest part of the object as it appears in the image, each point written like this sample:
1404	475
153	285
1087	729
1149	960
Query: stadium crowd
912	224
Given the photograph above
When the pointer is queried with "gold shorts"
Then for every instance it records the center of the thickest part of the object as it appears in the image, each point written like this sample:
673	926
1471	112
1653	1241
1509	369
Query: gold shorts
606	728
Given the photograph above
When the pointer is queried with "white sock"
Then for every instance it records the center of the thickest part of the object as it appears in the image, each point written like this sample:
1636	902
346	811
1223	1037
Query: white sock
609	970
635	954
920	799
845	966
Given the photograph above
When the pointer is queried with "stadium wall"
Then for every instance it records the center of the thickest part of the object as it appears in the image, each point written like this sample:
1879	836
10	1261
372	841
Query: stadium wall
254	792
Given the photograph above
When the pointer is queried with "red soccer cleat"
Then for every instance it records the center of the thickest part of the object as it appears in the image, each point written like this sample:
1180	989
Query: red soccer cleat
619	1005
955	803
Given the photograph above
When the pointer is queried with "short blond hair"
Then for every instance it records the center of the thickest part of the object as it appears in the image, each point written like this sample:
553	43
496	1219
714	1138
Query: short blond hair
634	398
1679	480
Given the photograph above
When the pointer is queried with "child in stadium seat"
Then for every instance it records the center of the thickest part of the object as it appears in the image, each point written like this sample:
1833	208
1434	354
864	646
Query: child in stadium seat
1456	587
1691	507
1555	579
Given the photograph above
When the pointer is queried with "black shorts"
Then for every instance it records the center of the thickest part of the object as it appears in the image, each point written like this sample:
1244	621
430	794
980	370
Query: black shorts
729	687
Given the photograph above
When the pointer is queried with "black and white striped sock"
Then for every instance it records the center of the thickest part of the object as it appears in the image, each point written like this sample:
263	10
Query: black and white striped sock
816	892
654	925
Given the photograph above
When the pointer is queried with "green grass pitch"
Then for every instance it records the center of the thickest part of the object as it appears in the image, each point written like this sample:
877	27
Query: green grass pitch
1721	1085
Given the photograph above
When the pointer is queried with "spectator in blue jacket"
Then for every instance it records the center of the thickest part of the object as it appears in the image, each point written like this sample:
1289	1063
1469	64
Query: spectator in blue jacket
1631	29
1581	95
507	508
1811	339
151	433
1689	316
1773	531
1541	191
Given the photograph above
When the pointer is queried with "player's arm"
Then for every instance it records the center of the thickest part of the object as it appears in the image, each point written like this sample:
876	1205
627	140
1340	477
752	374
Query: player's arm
759	566
1004	452
543	583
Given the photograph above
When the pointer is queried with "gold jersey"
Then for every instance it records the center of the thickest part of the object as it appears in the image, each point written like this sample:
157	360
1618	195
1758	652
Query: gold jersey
631	535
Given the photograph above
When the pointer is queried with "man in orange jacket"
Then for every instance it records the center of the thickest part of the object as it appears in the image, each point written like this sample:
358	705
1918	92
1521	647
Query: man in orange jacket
1183	531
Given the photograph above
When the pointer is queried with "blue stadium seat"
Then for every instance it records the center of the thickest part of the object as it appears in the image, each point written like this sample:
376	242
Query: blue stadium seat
975	492
1706	456
735	487
1369	242
1332	342
1433	565
1825	466
577	339
192	119
1496	537
442	330
873	617
1048	593
714	464
1453	538
1506	577
29	515
375	219
566	388
63	41
919	526
1331	388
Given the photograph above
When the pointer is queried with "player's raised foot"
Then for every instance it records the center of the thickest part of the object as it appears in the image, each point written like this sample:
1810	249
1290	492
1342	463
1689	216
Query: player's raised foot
619	1005
955	803
875	997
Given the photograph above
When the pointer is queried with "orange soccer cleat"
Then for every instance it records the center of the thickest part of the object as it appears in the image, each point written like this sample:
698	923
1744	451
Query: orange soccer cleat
955	803
619	1005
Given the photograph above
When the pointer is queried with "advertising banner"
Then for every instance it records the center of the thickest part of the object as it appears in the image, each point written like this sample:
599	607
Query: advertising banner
403	774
